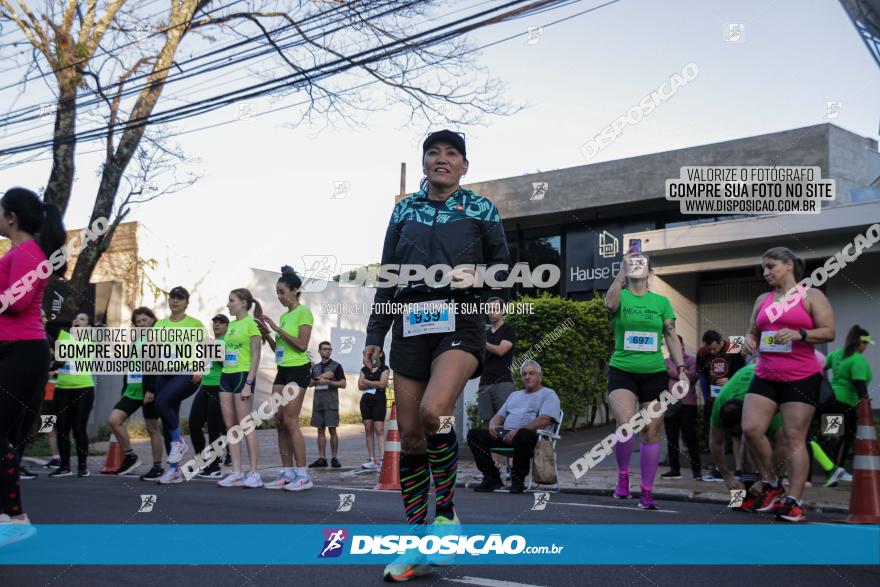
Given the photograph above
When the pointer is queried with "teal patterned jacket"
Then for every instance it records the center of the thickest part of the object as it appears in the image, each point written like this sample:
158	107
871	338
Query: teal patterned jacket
464	230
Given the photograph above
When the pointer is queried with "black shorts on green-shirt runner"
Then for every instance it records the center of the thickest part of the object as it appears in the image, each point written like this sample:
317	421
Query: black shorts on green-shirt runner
301	375
233	382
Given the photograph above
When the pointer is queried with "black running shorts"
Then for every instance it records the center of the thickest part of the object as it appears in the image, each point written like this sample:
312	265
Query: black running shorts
805	391
373	406
646	386
301	375
412	356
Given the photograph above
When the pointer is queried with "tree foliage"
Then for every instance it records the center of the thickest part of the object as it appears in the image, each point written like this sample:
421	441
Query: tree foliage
572	341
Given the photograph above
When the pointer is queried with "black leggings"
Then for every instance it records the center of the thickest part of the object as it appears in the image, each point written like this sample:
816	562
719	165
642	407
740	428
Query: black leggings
28	424
205	408
74	407
24	366
685	421
171	390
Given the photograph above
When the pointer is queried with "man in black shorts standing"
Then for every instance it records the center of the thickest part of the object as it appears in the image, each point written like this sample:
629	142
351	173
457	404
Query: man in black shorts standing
496	382
328	378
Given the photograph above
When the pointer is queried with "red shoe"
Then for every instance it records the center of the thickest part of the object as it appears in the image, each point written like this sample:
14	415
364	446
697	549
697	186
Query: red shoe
748	504
767	501
791	511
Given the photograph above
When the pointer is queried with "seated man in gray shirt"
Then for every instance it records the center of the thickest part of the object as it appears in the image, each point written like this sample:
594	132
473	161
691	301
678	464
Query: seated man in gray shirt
516	424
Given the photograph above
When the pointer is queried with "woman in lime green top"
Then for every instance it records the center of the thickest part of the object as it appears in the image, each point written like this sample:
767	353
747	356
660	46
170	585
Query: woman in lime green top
133	399
851	378
290	343
242	358
637	370
74	398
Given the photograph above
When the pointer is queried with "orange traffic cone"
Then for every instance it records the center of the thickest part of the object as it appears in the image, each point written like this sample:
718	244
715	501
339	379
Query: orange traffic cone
389	478
864	500
114	456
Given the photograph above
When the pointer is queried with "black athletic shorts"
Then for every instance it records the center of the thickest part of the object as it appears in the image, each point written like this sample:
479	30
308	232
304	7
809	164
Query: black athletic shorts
233	382
646	386
373	406
805	391
412	356
301	375
130	406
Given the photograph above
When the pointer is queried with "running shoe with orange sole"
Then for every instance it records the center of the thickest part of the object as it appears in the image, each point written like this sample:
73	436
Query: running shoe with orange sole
770	500
791	511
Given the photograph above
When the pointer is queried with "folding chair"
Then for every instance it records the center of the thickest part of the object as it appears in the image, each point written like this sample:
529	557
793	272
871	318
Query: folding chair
552	437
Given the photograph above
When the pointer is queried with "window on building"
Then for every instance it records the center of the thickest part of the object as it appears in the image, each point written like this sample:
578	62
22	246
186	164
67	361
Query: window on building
535	247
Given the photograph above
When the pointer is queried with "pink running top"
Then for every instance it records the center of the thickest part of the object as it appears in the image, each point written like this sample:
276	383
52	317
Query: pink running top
20	319
789	362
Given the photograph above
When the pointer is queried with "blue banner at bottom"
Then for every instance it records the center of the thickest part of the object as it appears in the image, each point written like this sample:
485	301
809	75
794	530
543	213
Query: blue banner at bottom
524	544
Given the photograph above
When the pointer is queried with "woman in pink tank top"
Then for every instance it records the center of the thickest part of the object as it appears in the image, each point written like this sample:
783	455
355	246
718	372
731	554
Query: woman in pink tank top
35	231
783	330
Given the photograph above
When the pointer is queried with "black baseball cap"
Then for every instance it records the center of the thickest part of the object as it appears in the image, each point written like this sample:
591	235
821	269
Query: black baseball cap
179	292
220	318
446	136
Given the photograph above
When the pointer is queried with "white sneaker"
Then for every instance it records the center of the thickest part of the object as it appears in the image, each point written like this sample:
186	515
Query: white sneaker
170	476
177	451
299	484
12	530
846	477
252	481
371	464
279	483
232	480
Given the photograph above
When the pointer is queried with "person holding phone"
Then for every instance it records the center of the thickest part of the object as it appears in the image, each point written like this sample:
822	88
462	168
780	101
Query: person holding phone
328	378
637	372
290	344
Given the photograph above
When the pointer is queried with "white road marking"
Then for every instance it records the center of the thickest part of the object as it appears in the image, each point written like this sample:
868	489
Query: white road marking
607	507
361	489
488	582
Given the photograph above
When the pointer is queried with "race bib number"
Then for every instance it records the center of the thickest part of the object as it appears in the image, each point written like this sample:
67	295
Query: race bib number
714	390
640	341
370	391
279	355
230	359
322	387
768	346
428	318
135	378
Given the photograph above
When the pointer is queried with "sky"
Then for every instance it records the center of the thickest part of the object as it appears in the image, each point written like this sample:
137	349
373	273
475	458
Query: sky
265	195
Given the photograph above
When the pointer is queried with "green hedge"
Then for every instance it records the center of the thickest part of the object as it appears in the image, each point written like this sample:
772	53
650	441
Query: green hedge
573	341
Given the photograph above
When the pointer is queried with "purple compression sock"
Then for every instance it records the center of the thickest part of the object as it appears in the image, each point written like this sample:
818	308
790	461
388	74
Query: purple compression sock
649	458
623	453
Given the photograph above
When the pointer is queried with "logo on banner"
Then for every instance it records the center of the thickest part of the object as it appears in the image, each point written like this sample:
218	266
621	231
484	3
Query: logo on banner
346	344
609	245
832	424
334	540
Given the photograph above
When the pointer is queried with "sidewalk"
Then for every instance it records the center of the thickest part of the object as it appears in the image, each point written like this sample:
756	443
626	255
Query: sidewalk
598	481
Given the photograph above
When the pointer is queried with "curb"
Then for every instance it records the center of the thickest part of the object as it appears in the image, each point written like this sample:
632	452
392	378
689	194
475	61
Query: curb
685	495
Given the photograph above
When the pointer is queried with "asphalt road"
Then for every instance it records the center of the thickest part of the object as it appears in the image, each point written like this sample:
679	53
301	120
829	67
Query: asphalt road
107	500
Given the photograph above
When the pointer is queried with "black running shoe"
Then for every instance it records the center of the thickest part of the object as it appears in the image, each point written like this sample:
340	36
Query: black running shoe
53	463
322	462
517	485
61	472
25	474
335	463
129	463
83	472
489	484
671	474
153	474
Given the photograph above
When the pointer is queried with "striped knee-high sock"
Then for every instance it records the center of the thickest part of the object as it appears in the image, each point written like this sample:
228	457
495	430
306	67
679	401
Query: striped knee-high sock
443	456
415	480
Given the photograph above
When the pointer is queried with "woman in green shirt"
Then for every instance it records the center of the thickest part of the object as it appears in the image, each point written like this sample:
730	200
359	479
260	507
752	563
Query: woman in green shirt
851	378
74	398
637	372
242	358
133	399
290	343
